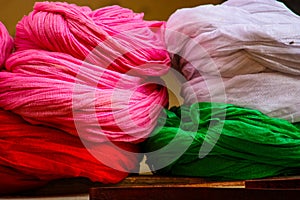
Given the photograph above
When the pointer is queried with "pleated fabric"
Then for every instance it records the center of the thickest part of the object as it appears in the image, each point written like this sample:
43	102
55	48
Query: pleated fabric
223	142
244	43
6	44
31	156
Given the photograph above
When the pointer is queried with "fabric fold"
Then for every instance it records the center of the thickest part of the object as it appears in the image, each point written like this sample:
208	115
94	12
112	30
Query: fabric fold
224	142
111	37
95	74
83	99
43	154
239	52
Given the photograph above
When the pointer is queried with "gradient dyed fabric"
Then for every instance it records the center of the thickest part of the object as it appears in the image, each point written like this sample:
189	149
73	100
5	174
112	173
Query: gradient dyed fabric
224	142
31	156
235	46
6	44
89	73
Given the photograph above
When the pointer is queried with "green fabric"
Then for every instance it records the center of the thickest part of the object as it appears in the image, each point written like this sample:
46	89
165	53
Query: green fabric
245	143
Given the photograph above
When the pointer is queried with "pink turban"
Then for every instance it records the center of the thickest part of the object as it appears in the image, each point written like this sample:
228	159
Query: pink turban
92	73
111	37
45	88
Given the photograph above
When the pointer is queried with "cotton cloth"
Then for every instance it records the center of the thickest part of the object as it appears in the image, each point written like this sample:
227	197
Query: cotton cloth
31	156
242	42
96	104
111	37
94	74
274	94
223	142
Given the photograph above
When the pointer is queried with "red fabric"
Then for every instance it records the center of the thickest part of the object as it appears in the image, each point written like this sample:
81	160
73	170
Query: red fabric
12	181
46	154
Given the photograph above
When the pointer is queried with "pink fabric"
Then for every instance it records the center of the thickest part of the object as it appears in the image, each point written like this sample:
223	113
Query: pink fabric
58	90
6	44
87	72
111	37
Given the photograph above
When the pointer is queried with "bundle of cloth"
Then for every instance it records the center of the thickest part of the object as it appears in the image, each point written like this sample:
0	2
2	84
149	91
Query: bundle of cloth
78	93
31	156
89	73
98	105
239	120
223	142
240	52
112	37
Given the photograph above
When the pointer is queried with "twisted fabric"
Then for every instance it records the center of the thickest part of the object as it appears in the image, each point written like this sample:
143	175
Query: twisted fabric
111	37
243	49
6	44
89	73
224	142
99	105
31	156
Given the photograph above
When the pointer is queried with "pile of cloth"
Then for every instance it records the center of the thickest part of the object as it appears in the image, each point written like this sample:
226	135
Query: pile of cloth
31	156
78	93
240	60
240	52
223	142
82	93
87	72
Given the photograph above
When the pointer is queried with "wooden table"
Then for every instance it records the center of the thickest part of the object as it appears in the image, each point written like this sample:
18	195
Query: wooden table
151	187
177	188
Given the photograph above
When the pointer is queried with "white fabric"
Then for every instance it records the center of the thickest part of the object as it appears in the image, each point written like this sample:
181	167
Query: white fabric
274	94
234	39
